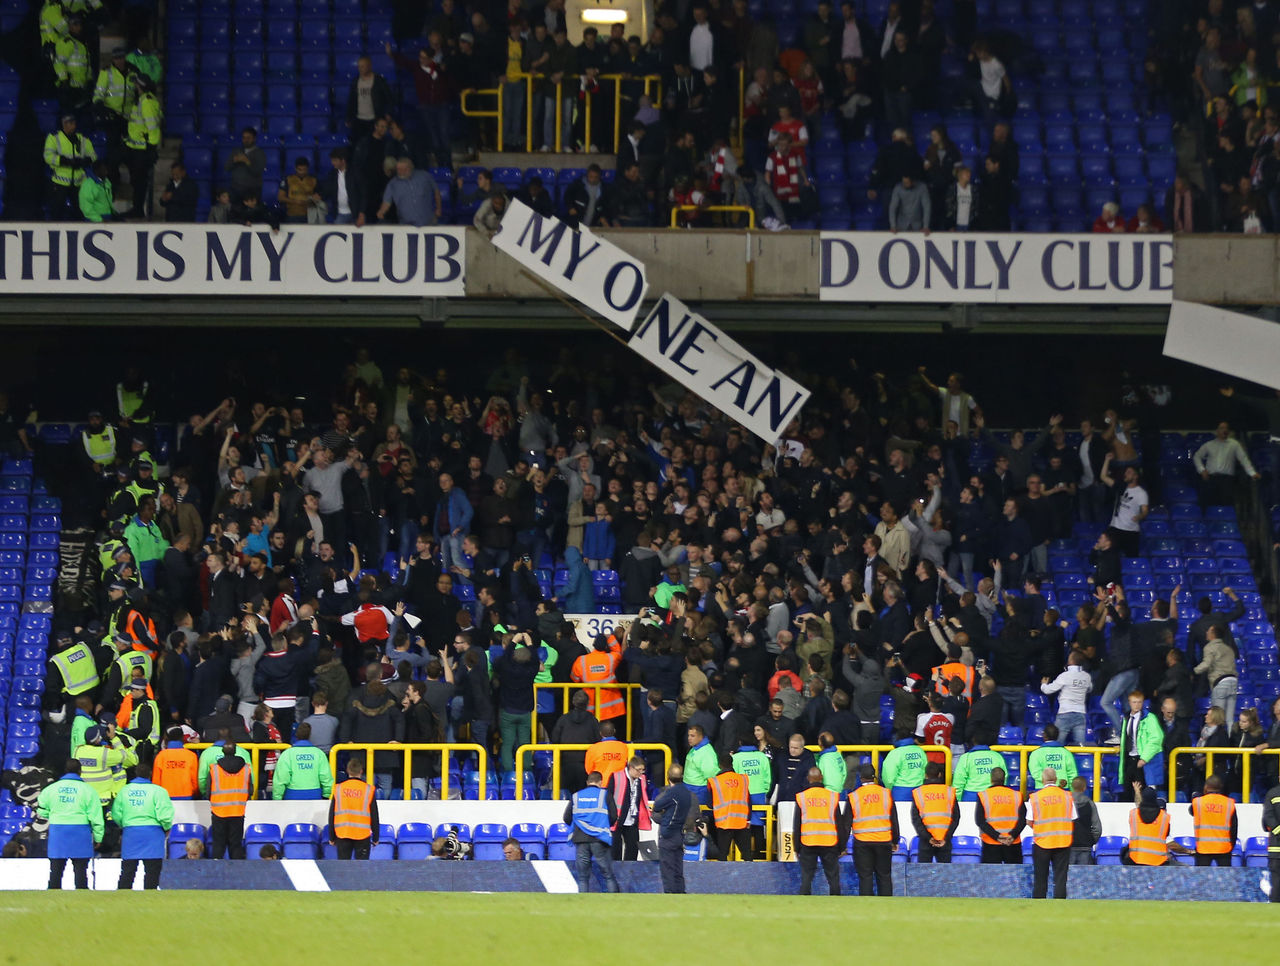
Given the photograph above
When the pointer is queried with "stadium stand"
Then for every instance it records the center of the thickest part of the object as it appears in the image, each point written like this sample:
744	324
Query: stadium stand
551	521
1100	107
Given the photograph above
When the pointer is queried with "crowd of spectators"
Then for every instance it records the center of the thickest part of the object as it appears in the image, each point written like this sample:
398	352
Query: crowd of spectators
869	76
1216	62
384	556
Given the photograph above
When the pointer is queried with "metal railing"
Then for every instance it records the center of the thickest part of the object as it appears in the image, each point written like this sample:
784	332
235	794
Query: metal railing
1024	752
476	112
650	81
255	750
555	762
1246	766
770	813
595	687
750	212
482	762
877	752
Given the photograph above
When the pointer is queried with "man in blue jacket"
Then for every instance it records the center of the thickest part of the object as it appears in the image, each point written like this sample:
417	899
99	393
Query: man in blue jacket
450	522
592	812
671	808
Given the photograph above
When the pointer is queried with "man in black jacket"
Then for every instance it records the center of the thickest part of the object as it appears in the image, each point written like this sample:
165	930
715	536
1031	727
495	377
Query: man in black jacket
985	716
368	99
343	190
180	195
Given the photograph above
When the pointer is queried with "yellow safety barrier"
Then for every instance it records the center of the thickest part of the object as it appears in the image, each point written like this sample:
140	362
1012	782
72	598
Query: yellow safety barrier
653	81
477	112
255	753
555	762
1024	752
742	104
1246	766
877	751
770	816
750	212
482	762
597	687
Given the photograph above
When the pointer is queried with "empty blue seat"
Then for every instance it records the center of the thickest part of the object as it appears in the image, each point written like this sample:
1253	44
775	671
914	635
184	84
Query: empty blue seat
560	848
413	841
1108	849
301	841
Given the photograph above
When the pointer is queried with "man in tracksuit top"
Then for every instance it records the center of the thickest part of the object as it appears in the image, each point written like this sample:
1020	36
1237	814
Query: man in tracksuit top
145	812
973	771
592	813
671	808
302	772
902	771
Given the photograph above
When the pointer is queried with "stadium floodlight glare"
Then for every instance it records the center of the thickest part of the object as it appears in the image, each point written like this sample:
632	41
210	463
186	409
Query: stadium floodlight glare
635	15
598	15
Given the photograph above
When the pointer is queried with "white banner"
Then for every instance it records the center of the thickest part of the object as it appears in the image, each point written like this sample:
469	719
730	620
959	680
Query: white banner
185	259
585	267
1007	268
695	353
1240	345
589	626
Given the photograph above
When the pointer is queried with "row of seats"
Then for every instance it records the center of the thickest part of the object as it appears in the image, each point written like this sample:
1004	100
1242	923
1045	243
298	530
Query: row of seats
28	516
410	841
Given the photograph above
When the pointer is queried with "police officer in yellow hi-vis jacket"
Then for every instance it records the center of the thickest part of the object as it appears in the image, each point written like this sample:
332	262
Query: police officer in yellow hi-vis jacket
68	154
142	143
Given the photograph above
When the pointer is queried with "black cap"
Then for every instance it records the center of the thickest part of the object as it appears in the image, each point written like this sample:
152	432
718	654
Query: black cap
138	684
144	465
93	735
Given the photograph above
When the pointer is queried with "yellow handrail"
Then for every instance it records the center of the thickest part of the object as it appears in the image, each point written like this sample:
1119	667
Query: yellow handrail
476	112
742	104
555	761
255	750
407	750
1246	768
877	751
750	212
595	686
649	80
770	816
1024	751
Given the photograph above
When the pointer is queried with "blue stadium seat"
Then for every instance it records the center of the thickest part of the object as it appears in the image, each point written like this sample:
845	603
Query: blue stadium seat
413	841
301	841
560	848
966	850
385	850
180	833
1108	849
532	838
258	835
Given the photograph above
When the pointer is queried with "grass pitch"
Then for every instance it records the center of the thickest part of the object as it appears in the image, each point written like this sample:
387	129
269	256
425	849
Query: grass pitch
188	928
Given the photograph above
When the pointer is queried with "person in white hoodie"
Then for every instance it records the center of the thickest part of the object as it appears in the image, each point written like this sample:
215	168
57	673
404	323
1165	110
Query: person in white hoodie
1072	687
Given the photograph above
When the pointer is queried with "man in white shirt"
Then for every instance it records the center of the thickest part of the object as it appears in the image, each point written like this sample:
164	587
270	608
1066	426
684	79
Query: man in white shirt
1072	687
701	41
851	37
963	209
1216	462
339	192
892	22
1132	506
